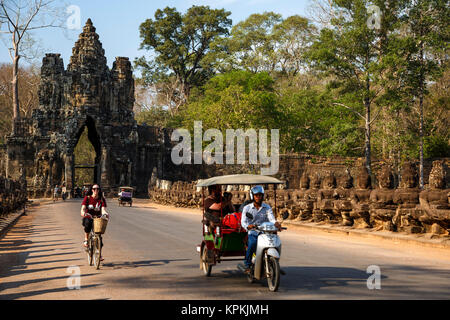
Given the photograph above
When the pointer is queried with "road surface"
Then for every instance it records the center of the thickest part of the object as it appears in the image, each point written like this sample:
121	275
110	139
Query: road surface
150	253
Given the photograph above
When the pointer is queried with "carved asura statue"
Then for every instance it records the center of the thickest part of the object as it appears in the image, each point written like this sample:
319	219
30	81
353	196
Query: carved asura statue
360	197
325	199
342	205
434	201
407	198
306	197
382	207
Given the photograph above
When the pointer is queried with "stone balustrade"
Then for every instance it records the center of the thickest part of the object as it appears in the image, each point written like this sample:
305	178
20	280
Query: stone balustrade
343	200
13	195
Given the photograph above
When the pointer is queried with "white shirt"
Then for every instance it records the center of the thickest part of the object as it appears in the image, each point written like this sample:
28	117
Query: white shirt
263	214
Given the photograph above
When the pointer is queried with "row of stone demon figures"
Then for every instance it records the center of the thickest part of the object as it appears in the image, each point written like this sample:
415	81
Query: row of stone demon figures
406	208
13	195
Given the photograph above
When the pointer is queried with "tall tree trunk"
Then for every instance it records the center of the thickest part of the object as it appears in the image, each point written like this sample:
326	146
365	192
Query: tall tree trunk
367	127
15	88
421	93
15	84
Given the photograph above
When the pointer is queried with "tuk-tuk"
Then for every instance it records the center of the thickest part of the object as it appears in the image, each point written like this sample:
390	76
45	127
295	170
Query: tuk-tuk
125	196
225	243
85	190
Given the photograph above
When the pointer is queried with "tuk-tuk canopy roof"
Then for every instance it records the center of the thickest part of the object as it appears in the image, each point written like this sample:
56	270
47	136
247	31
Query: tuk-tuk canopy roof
128	188
239	179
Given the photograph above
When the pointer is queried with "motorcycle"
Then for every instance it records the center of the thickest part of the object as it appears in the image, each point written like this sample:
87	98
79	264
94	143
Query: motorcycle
266	260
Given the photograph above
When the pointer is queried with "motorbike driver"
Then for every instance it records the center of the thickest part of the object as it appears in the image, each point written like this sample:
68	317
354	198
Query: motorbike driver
261	212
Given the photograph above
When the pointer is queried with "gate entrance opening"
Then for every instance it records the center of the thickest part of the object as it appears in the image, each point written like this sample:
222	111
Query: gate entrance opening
87	155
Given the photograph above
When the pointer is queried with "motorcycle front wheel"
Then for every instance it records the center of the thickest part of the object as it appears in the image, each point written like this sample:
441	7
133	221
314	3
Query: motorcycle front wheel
250	277
273	278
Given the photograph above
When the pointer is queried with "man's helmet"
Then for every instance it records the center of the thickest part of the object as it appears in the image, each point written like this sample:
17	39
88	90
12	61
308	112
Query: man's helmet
255	190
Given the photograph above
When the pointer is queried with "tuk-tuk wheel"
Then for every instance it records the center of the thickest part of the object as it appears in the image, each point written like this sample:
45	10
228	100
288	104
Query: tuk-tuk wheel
204	264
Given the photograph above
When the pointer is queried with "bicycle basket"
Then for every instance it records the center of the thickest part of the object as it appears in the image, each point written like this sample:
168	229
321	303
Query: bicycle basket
100	225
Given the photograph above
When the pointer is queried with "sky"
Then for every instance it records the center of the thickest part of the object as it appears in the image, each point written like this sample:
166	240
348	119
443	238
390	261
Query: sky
117	23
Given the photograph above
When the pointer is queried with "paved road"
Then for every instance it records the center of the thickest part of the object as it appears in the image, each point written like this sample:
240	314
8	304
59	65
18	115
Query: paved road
150	254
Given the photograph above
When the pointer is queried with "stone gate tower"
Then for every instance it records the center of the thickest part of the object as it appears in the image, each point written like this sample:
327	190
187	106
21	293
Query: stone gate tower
87	94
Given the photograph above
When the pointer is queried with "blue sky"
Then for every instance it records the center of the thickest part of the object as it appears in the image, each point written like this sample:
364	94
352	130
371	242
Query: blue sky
117	22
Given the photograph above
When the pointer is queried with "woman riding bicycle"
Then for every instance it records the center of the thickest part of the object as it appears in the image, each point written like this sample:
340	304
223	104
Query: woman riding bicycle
93	205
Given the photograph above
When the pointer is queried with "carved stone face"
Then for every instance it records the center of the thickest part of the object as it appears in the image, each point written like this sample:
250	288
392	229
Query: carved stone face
304	181
315	182
409	176
385	178
363	178
345	181
437	175
329	182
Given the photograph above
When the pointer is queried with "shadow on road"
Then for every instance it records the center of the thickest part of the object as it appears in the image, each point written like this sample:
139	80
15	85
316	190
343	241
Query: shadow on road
316	278
16	284
39	292
137	264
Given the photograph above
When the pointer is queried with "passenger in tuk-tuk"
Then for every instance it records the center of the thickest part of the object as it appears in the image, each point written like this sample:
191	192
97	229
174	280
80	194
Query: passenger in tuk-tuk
124	194
214	206
228	207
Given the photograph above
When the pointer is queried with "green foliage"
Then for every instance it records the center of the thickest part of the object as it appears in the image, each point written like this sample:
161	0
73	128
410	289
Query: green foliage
436	147
265	42
307	120
155	116
181	44
84	154
233	100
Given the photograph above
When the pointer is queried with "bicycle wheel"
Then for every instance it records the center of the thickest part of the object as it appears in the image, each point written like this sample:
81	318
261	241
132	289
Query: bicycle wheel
90	251
97	251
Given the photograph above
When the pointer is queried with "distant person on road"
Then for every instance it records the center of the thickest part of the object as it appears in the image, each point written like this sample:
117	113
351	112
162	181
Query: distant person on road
64	192
93	205
55	193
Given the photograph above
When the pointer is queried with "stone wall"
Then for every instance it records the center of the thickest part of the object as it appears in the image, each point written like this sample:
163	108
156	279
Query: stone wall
330	193
13	195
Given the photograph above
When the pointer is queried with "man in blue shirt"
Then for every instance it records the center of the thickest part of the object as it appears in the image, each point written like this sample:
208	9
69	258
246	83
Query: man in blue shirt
261	212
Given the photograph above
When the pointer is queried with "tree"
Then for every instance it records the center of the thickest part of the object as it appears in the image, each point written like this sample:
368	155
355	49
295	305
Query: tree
352	52
181	44
84	153
428	36
264	42
293	37
251	44
28	94
235	100
149	107
19	18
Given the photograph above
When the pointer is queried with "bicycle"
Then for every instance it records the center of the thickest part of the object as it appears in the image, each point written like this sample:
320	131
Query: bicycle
94	248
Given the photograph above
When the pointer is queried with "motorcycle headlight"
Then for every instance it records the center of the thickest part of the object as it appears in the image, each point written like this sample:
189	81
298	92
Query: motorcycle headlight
268	227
